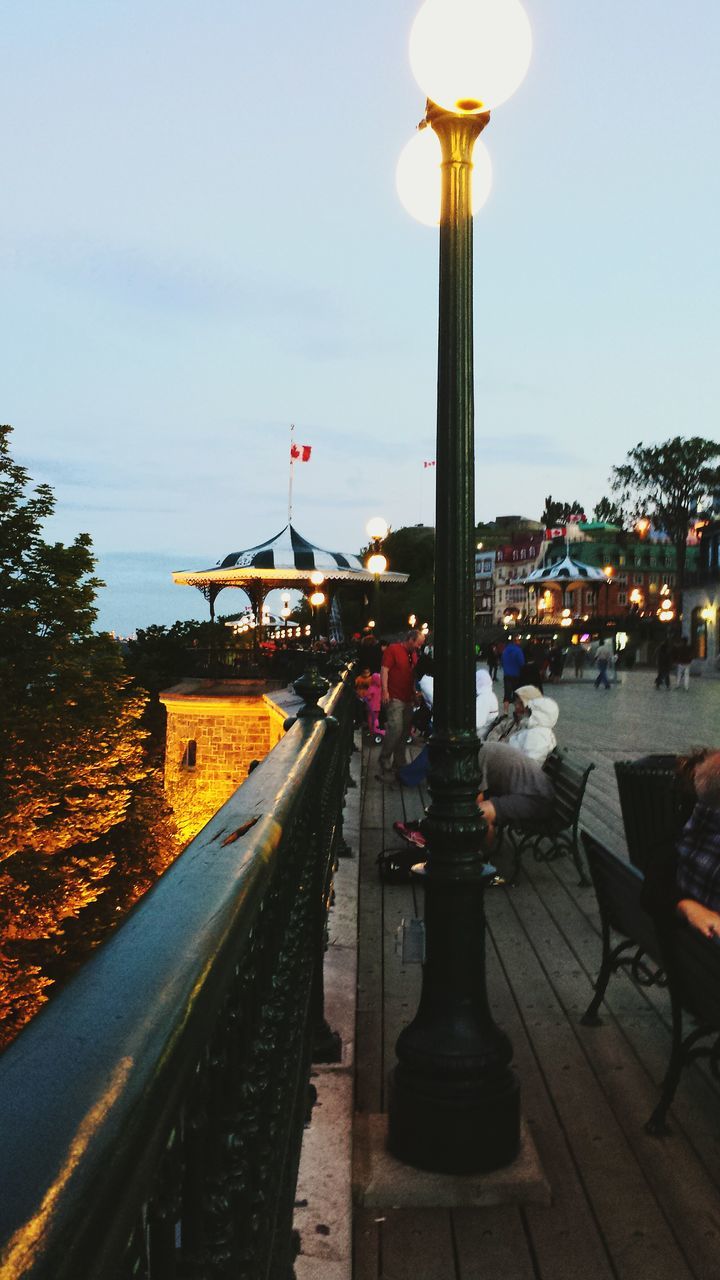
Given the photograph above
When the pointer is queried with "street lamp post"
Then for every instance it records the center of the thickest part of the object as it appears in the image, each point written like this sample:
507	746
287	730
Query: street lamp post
455	1103
377	530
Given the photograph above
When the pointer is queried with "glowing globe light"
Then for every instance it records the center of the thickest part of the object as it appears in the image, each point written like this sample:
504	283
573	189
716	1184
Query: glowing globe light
418	177
377	528
377	564
468	56
317	598
317	578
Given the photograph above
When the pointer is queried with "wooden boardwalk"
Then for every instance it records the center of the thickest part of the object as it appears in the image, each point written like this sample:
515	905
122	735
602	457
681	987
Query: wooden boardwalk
626	1206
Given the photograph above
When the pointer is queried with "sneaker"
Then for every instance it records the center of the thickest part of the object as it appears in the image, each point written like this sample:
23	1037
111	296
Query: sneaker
410	833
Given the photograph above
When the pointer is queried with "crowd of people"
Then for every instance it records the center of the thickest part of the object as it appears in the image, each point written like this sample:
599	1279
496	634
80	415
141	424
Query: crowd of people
398	698
395	696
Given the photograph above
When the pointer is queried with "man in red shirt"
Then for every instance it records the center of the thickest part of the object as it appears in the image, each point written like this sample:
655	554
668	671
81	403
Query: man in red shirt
398	695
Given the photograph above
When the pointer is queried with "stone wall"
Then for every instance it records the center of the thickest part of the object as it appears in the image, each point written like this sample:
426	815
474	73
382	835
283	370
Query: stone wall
228	730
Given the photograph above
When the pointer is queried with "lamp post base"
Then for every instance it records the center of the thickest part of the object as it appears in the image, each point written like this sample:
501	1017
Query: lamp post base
454	1127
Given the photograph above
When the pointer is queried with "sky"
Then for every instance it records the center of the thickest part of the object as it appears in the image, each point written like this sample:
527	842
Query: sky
201	243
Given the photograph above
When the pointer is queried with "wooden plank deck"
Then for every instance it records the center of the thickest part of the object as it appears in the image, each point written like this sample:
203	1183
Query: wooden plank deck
625	1205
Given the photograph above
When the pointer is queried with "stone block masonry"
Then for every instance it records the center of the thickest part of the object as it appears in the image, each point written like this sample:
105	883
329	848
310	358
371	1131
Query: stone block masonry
215	729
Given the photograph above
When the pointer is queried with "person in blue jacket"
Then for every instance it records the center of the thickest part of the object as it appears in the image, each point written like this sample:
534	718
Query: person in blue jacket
512	661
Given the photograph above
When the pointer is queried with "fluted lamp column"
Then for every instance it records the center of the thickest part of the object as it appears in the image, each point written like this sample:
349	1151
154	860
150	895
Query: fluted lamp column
377	530
455	1104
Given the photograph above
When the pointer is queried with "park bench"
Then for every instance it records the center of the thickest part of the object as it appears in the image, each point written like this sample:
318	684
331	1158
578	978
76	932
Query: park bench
660	951
557	837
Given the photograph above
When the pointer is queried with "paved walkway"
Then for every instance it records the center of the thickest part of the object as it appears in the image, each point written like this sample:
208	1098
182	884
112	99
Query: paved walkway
625	1206
632	720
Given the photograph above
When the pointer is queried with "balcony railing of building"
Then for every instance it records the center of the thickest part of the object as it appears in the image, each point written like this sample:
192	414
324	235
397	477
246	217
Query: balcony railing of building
152	1114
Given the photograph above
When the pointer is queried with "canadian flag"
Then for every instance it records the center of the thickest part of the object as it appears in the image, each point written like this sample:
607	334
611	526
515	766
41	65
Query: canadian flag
429	464
300	452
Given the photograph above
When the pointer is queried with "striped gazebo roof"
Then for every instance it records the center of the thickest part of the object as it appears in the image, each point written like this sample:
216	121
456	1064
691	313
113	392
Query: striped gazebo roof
566	571
287	560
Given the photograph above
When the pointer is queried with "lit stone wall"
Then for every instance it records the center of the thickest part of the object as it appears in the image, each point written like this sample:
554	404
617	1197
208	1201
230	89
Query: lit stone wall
230	724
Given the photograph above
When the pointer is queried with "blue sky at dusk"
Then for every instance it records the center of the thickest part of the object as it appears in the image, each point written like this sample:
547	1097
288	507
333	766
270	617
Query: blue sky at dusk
200	242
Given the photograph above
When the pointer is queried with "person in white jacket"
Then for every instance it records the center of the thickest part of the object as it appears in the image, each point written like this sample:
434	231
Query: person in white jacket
536	717
486	709
486	703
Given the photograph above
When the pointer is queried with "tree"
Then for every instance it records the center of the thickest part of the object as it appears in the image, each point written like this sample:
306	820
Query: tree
410	550
74	765
669	483
608	512
558	513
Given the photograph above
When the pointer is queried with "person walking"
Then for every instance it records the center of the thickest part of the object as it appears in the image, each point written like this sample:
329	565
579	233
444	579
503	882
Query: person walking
513	661
663	658
398	697
603	658
580	657
492	657
682	655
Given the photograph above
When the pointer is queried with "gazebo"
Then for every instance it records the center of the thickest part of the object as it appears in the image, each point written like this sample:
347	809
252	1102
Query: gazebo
569	575
287	561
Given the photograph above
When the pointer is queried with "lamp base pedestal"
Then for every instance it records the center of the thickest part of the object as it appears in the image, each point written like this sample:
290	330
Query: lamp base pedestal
454	1126
379	1180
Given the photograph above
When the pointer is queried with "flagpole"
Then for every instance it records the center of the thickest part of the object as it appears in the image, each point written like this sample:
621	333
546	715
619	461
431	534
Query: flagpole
292	464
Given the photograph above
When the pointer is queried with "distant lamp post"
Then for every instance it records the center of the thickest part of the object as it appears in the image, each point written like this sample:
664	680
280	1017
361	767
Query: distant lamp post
608	571
285	612
317	600
642	527
666	612
412	620
454	1103
377	530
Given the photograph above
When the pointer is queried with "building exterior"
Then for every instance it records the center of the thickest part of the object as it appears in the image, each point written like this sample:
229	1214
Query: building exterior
513	562
484	587
640	572
701	600
215	729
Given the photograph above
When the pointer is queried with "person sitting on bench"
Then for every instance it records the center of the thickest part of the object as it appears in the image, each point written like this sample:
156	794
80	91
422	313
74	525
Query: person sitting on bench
530	727
698	849
515	789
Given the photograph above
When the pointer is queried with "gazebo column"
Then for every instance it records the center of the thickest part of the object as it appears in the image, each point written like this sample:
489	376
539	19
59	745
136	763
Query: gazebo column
211	594
256	595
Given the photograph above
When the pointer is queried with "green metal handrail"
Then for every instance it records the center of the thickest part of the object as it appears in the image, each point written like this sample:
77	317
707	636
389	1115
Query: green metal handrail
152	1114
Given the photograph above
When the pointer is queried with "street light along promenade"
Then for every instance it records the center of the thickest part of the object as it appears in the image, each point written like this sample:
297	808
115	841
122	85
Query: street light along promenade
455	1102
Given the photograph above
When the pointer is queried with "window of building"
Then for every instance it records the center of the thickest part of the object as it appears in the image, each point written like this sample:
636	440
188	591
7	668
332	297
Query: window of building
637	579
189	759
622	597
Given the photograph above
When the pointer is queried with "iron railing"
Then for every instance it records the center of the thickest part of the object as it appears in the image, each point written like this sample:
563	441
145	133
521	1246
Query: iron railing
152	1114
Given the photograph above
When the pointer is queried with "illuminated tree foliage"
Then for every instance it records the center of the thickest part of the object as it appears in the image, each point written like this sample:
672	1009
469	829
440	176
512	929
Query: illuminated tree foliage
669	482
81	809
